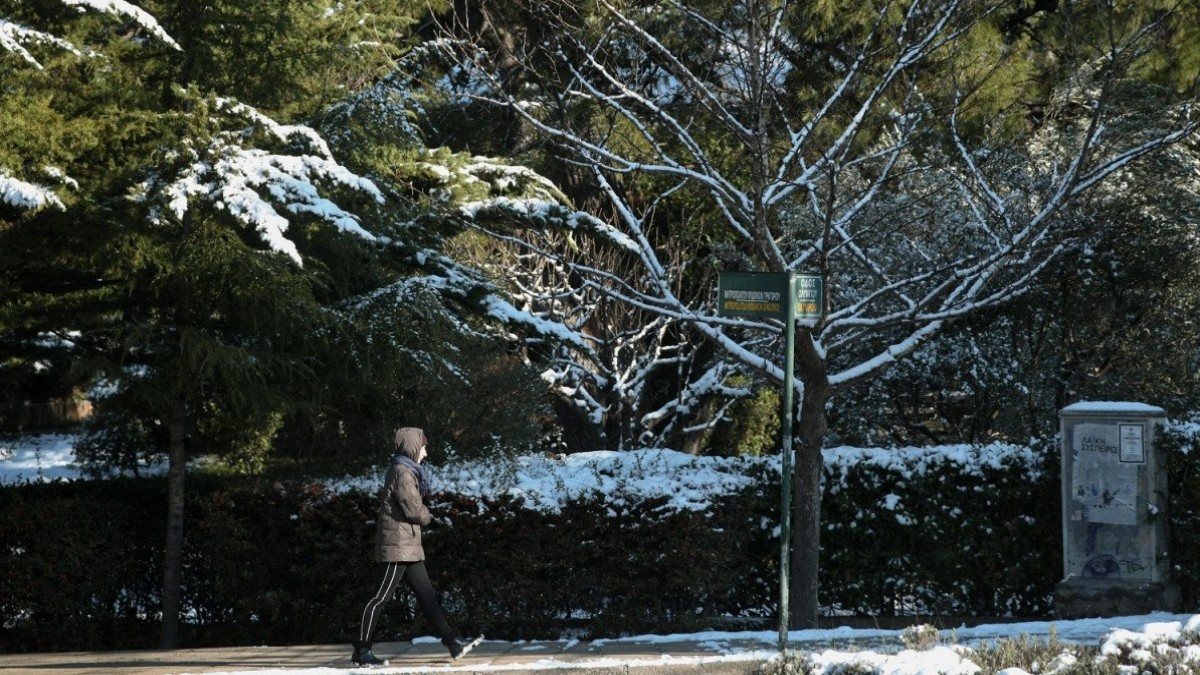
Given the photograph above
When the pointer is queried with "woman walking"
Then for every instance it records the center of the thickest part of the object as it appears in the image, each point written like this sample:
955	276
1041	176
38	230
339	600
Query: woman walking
398	552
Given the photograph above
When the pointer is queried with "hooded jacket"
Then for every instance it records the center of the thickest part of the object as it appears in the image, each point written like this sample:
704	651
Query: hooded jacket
402	512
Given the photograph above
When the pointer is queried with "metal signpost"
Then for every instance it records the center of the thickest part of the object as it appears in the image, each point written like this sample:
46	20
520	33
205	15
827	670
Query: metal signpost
786	296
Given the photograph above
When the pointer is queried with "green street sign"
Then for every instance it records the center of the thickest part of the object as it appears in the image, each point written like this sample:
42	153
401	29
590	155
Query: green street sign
753	295
808	292
757	295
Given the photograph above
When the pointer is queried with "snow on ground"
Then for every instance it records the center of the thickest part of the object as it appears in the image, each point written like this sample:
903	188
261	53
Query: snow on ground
689	481
834	651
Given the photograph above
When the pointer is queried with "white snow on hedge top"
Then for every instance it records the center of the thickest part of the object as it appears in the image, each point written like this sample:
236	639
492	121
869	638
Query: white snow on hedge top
919	460
687	482
544	483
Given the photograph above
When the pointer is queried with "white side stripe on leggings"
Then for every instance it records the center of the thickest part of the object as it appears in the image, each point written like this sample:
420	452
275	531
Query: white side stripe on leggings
369	613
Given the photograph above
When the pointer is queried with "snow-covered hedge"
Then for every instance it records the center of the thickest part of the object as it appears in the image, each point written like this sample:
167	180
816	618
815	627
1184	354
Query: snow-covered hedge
952	530
595	544
943	531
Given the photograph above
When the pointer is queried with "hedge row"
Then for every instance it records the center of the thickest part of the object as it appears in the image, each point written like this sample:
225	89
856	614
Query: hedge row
288	563
973	534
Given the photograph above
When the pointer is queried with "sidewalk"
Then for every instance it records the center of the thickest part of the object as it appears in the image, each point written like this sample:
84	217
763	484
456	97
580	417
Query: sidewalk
711	653
602	657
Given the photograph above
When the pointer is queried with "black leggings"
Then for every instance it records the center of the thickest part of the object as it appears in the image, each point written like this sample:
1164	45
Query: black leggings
414	573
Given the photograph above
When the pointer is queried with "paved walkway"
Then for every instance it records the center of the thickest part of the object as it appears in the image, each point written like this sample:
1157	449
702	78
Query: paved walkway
602	657
716	653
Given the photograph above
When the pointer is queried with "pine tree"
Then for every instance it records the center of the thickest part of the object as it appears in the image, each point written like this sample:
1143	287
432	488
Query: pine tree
172	234
161	253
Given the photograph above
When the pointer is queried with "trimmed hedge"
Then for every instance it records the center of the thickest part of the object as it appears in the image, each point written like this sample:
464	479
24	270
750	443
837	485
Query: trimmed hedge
973	535
81	563
77	569
520	574
289	562
1181	443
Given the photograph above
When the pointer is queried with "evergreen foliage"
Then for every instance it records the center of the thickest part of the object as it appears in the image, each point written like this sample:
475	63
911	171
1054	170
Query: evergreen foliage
170	243
179	201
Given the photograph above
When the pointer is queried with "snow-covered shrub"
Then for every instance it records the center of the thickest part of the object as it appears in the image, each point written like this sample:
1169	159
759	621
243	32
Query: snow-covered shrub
953	530
920	636
1162	648
1180	441
537	552
596	567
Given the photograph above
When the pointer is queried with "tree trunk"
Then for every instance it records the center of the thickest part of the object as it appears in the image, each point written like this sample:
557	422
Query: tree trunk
173	553
806	486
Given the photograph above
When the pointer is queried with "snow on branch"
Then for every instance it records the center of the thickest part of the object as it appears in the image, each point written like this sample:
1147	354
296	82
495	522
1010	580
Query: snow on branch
27	196
476	183
305	138
483	190
14	37
128	10
450	278
253	185
702	91
692	396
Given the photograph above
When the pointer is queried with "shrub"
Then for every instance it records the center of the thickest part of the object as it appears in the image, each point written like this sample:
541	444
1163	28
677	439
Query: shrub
1121	652
930	533
1181	443
289	562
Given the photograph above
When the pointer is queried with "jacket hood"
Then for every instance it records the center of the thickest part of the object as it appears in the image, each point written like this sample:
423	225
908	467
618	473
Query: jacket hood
409	441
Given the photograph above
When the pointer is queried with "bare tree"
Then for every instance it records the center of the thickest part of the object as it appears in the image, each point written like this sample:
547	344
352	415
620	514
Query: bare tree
878	149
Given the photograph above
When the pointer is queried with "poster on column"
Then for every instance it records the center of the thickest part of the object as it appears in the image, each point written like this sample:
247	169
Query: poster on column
1102	485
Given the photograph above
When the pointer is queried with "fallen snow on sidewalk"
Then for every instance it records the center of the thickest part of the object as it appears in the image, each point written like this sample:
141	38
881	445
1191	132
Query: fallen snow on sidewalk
827	652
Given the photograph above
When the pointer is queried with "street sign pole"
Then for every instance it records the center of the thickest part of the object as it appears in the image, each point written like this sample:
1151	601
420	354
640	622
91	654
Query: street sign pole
788	297
785	499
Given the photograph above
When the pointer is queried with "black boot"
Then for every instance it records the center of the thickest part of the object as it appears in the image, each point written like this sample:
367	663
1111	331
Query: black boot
363	656
459	646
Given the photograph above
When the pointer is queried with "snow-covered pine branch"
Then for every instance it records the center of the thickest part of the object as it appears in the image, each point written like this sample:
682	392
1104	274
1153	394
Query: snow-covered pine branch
259	188
26	196
14	36
129	11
